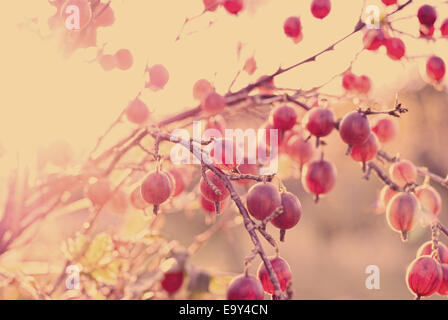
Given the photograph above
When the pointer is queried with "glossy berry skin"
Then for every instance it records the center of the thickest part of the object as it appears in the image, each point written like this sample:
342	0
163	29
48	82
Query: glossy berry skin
201	89
366	151
99	192
124	59
208	192
283	117
385	129
214	103
424	276
137	200
427	15
403	172
429	198
319	177
137	111
401	213
354	128
245	287
389	2
224	154
373	39
250	66
292	27
443	289
156	188
292	212
395	48
444	28
299	150
282	270
172	281
435	68
233	6
262	200
426	250
386	194
320	8
319	121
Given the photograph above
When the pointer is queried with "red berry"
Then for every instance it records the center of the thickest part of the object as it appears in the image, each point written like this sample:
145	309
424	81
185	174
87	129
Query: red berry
245	287
158	77
225	154
209	206
373	39
401	213
84	13
385	129
349	81
386	194
262	200
354	128
107	62
292	212
395	48
233	6
99	192
389	2
429	198
319	177
426	250
201	89
156	188
124	59
366	151
137	200
426	31
319	121
104	15
403	172
427	15
137	111
435	68
281	269
363	84
320	8
424	276
299	150
444	28
214	103
211	5
443	289
172	281
209	193
177	181
293	27
284	117
267	86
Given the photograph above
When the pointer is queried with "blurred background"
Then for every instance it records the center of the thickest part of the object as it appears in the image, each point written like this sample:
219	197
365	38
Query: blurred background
46	96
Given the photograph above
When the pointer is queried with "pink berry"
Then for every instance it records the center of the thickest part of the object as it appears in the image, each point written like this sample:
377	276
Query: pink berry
429	198
366	151
262	200
349	81
281	269
426	250
211	5
401	213
363	84
354	128
245	287
156	188
233	6
201	89
395	48
214	103
209	193
107	62
137	111
427	15
124	59
293	27
444	28
386	194
299	149
389	2
385	129
319	121
250	66
292	212
99	192
373	39
435	68
284	117
319	177
320	8
403	172
158	77
424	276
443	289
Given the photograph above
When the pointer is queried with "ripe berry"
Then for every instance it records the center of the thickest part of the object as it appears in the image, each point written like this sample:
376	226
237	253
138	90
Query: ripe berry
201	89
426	31
373	39
158	77
209	206
233	6
245	287
292	212
214	103
435	68
427	15
208	192
177	181
124	59
363	84
395	48
429	198
444	28
424	276
211	5
137	111
267	86
299	149
137	200
349	81
426	250
320	8
319	121
262	200
385	129
443	289
104	15
250	66
403	172
281	269
293	27
172	281
366	151
354	128
156	188
319	177
283	117
99	192
386	194
107	62
401	213
389	2
85	13
225	154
